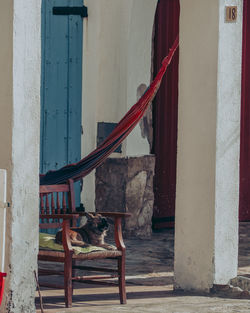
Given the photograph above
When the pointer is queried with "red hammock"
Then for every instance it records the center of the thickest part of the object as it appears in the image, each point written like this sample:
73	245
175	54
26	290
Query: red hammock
78	170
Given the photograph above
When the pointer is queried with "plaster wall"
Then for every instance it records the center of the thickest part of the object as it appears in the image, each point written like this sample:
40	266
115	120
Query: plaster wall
6	56
208	145
228	145
19	140
116	61
195	194
6	111
139	54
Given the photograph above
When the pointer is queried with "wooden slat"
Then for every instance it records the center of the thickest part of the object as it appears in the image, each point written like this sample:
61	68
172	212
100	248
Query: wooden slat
57	203
93	282
59	216
52	204
49	225
42	205
64	203
108	214
47	204
93	277
53	188
44	272
95	269
45	257
50	285
115	214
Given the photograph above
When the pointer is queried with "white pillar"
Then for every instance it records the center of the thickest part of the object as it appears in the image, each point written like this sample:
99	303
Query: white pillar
206	235
19	143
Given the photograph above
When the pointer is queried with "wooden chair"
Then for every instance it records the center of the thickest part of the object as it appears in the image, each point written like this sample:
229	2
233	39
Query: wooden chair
57	209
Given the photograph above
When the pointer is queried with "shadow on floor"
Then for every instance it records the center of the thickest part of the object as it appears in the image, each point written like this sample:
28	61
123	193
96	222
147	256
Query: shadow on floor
149	269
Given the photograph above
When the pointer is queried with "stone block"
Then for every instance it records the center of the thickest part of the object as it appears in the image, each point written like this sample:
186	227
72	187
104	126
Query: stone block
126	185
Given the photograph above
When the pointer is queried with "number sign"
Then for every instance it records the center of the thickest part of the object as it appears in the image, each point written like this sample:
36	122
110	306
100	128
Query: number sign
231	14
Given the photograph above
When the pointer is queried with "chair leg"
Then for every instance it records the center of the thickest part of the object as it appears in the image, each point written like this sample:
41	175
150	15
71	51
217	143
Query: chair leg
121	278
68	282
73	275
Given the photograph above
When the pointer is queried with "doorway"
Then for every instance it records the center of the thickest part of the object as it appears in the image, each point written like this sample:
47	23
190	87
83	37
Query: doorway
165	115
244	202
61	87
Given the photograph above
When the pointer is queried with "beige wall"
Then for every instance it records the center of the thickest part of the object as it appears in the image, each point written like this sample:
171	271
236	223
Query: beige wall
208	145
19	146
196	141
6	92
116	61
6	100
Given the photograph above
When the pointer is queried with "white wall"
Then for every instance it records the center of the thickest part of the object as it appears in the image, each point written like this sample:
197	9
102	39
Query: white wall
139	52
19	141
208	145
228	145
116	61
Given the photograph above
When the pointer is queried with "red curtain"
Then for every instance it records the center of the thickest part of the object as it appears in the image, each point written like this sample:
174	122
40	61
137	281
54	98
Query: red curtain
165	112
244	204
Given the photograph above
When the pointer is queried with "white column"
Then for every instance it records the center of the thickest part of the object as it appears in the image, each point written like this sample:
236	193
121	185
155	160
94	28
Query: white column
20	60
228	145
206	237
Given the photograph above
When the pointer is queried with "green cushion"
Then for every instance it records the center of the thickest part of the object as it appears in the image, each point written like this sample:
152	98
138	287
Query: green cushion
47	241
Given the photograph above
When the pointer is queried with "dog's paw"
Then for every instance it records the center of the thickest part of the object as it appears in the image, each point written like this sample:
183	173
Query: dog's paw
110	247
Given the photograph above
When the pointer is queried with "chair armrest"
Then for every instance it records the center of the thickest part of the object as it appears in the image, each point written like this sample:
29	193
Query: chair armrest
65	229
118	227
118	234
115	214
59	216
107	214
65	237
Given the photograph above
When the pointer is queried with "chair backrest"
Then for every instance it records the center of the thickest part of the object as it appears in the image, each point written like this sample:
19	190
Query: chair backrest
56	199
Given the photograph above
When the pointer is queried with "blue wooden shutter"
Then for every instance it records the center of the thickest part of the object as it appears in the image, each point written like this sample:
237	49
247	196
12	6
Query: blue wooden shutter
61	86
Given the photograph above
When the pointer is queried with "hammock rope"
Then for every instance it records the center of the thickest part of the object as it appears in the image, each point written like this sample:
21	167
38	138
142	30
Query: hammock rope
78	170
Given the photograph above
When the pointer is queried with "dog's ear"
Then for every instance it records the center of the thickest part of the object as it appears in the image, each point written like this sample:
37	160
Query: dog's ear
89	216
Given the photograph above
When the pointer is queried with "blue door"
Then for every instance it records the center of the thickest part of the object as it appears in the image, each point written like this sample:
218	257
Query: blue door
61	86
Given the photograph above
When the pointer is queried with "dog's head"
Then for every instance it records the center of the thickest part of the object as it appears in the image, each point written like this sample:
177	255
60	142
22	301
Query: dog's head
97	223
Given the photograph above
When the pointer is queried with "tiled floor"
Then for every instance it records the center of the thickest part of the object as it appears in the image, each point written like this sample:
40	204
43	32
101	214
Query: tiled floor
150	283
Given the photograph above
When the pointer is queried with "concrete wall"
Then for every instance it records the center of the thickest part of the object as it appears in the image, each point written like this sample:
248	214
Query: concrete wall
208	145
116	61
196	141
19	141
6	112
6	56
228	145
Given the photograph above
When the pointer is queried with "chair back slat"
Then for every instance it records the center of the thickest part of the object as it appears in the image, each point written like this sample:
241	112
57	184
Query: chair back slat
57	203
42	205
53	211
56	199
47	206
64	204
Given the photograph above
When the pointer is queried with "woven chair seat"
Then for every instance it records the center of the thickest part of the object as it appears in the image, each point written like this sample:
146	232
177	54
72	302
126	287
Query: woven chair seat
83	256
48	247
